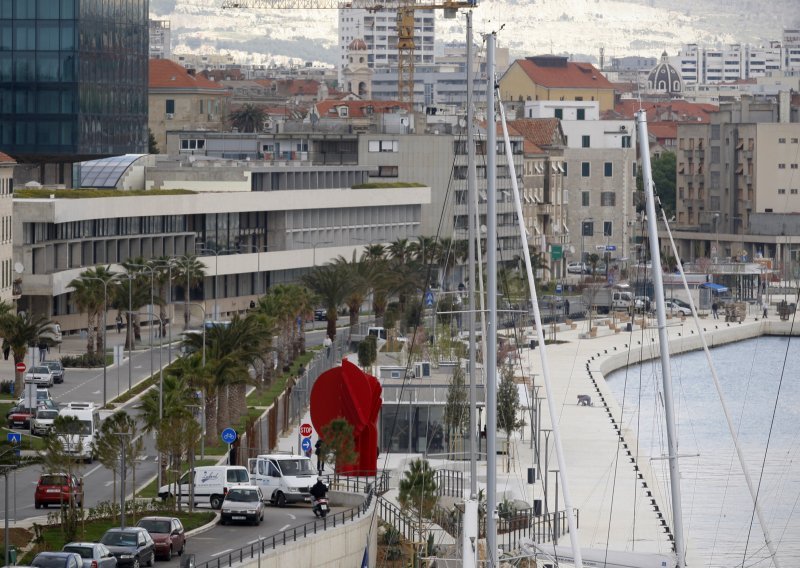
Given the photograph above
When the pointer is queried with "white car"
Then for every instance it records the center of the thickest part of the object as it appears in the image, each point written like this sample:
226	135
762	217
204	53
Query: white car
243	503
42	423
577	268
674	308
41	376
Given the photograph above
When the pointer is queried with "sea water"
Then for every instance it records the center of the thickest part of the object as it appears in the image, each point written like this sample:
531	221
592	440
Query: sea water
760	381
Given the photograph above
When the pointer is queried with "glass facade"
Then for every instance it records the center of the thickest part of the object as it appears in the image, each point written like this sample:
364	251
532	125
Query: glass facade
73	78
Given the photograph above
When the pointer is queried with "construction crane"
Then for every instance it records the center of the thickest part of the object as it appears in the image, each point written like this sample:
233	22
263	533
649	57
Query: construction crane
405	24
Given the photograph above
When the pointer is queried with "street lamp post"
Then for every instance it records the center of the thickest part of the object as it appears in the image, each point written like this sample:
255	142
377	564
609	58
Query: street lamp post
152	302
583	245
105	310
314	245
216	272
160	384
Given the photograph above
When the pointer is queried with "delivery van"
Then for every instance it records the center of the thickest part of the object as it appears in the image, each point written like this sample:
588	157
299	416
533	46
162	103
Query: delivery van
283	478
211	484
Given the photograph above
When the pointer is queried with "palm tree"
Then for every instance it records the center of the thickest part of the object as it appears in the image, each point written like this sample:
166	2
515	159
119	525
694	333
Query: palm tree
358	272
90	296
248	118
192	271
20	330
418	488
132	293
331	284
400	250
162	272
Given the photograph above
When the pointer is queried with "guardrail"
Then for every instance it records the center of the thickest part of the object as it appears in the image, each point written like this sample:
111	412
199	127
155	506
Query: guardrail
272	542
393	515
354	482
449	482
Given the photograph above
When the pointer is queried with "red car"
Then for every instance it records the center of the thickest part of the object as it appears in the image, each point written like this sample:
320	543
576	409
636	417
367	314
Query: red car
167	533
20	417
56	489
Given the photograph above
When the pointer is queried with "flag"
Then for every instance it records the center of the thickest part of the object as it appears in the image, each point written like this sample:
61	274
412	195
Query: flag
365	560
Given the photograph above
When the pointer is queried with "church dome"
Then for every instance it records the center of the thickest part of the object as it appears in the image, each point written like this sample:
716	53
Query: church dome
357	44
664	78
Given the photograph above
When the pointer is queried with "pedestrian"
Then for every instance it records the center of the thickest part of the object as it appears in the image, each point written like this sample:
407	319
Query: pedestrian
714	309
119	323
320	451
566	308
766	308
327	343
6	349
42	350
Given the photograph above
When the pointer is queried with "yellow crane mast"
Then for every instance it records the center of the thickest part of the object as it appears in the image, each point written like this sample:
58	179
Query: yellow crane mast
405	25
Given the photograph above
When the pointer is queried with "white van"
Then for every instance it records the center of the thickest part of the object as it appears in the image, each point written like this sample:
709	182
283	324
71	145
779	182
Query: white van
81	445
211	483
283	478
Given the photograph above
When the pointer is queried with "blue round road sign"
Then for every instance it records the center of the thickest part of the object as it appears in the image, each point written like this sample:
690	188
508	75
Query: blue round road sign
229	435
306	444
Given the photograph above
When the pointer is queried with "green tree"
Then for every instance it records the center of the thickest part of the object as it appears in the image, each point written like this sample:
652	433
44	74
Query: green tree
593	260
152	143
456	410
417	489
248	118
359	285
106	446
191	270
331	284
90	295
339	441
19	330
664	178
508	408
367	352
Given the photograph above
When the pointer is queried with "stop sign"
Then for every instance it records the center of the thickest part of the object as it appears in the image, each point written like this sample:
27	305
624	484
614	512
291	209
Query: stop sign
306	430
20	367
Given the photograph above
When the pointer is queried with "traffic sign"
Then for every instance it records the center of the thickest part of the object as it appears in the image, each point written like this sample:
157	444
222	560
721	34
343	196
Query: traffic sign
20	367
306	429
305	445
556	252
611	247
429	299
229	435
14	438
559	289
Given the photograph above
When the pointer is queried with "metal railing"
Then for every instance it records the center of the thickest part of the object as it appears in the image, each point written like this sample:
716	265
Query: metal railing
357	483
449	482
393	515
272	542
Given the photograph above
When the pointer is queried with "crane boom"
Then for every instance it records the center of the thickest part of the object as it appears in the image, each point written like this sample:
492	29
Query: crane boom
405	24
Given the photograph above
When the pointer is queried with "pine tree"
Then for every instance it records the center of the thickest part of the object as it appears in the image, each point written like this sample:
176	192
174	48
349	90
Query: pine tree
456	411
508	408
339	442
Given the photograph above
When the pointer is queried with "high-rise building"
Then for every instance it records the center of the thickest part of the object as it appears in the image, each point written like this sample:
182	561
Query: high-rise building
160	39
73	80
7	272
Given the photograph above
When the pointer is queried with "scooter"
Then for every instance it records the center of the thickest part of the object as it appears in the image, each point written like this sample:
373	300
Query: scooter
320	507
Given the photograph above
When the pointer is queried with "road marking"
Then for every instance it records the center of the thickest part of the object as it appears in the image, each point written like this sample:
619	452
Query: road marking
283	528
292	516
91	471
97	392
109	483
221	552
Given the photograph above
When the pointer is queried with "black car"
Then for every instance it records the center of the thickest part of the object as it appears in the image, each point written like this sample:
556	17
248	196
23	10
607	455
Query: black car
57	560
133	546
57	369
320	314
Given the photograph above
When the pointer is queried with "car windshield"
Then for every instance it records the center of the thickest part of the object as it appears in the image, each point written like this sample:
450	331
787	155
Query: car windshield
49	561
295	467
119	539
53	480
47	414
84	551
40	370
238	476
242	495
155	526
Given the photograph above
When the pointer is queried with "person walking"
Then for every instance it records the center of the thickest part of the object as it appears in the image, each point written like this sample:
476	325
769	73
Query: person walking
714	309
766	309
119	323
320	451
327	343
566	308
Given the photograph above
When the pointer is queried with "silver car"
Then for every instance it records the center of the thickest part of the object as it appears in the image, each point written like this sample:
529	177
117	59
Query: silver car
243	503
41	376
42	423
93	554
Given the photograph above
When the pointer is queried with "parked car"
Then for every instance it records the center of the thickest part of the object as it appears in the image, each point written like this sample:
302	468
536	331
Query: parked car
642	303
42	423
576	267
243	503
56	489
20	416
320	314
40	375
673	307
167	533
57	369
43	398
93	554
552	302
132	546
680	303
57	560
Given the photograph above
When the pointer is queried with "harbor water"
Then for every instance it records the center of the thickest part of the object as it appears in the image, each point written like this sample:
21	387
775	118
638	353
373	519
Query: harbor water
760	380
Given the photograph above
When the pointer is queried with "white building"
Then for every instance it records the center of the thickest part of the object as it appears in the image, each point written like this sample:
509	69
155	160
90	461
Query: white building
379	30
7	272
600	160
283	220
160	39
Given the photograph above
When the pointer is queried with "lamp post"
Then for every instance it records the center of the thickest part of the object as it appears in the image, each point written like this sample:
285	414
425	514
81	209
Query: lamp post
105	310
129	331
314	245
716	232
258	250
583	245
216	272
152	302
160	385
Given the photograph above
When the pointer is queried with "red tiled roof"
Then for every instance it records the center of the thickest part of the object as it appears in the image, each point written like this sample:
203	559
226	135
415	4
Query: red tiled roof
6	159
684	111
570	75
355	109
663	130
166	74
541	131
530	148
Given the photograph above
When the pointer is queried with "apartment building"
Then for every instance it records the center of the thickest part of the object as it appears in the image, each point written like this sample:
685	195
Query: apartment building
7	270
160	39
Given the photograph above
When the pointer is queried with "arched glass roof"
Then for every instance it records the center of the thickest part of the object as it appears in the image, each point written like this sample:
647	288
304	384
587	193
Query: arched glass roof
106	172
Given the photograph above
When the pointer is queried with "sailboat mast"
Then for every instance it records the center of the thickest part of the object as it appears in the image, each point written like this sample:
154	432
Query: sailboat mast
472	288
490	357
658	286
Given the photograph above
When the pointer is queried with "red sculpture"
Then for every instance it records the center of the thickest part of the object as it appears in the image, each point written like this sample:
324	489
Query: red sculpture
348	392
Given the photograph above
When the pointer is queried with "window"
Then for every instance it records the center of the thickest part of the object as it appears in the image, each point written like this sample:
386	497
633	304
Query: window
190	144
559	112
607	228
794	166
608	199
564	168
781	166
626	141
585	141
781	192
387	171
585	169
781	140
608	169
794	140
170	106
793	191
585	198
581	114
587	228
384	146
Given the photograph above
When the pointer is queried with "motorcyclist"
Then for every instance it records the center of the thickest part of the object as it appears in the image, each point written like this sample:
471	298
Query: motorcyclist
319	490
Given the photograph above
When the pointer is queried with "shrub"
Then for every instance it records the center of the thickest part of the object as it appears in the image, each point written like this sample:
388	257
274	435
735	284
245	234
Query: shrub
6	387
82	361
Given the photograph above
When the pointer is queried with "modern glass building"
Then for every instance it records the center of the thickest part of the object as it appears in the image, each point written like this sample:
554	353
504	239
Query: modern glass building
73	78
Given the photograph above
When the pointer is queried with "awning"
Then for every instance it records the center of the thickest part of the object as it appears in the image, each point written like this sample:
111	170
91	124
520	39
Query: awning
718	288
